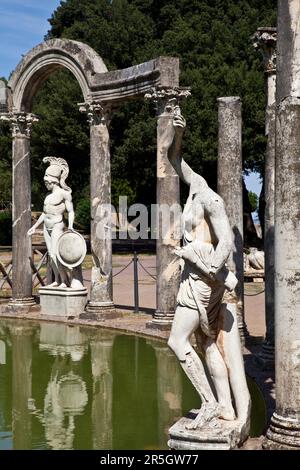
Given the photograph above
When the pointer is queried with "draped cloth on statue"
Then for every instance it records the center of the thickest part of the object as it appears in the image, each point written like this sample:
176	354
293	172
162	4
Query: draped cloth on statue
199	292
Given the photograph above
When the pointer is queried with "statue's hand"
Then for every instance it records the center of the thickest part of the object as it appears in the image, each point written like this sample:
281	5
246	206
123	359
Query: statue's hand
179	122
178	251
31	231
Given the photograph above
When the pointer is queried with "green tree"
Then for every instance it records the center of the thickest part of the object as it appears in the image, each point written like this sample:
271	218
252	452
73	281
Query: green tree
253	199
211	39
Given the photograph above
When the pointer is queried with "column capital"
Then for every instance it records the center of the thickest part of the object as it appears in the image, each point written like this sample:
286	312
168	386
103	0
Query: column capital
165	99
264	40
20	123
97	112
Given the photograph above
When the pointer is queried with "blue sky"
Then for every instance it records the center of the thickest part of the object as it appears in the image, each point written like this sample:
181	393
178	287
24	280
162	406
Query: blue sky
253	183
23	24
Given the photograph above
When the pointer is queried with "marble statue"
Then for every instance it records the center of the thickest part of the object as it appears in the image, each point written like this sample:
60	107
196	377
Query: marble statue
255	259
66	249
201	305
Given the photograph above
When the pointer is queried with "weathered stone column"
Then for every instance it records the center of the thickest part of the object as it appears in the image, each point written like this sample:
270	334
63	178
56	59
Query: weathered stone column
284	430
230	188
167	197
21	124
100	303
265	40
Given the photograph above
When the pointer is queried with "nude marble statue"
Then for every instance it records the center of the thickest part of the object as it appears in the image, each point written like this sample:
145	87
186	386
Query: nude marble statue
57	202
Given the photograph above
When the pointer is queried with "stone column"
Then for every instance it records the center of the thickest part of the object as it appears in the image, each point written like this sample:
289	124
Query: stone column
230	188
265	41
167	196
3	97
100	304
284	430
21	124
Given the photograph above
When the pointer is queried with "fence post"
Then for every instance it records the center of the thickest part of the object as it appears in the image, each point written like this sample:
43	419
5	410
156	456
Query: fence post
136	282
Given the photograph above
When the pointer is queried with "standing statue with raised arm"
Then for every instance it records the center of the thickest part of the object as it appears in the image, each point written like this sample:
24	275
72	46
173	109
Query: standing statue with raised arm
201	305
64	254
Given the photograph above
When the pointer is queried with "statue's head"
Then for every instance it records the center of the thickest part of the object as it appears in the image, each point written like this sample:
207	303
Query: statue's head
56	173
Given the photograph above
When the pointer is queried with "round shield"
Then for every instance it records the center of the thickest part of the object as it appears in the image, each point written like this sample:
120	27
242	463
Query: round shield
71	249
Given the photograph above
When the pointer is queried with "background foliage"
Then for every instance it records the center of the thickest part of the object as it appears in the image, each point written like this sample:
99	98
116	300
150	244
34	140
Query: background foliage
211	39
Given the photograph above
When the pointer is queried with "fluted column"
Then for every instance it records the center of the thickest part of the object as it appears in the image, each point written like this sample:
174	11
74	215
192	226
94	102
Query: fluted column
101	296
230	188
284	430
167	196
265	41
21	124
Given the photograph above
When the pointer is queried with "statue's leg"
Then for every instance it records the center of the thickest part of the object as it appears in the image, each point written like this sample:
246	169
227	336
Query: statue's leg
185	323
77	278
56	233
48	241
229	344
218	371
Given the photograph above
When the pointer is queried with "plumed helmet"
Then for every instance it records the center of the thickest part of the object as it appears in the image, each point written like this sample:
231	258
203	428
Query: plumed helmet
58	171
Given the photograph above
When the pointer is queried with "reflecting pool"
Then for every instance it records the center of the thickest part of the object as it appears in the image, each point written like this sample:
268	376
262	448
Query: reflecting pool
74	387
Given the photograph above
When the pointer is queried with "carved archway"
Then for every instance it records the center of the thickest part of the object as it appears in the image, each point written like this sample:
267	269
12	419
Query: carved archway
46	58
158	79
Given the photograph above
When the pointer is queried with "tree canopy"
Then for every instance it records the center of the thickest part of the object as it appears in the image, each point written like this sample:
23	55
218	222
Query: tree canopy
217	58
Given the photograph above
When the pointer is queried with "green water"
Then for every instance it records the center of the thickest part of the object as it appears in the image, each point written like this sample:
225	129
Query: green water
64	387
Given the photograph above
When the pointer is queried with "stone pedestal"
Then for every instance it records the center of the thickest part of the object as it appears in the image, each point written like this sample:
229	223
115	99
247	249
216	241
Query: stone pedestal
226	436
230	188
62	301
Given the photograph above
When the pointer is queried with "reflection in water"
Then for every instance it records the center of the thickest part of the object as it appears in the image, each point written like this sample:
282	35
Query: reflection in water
66	394
21	340
2	352
101	358
169	390
72	387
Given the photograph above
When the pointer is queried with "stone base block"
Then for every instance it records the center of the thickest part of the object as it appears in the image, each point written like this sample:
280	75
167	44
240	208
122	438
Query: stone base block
20	303
283	434
62	301
100	311
93	307
100	315
159	325
226	436
161	320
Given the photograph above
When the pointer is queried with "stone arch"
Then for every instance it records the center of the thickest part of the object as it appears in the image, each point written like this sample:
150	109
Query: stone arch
103	91
36	66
